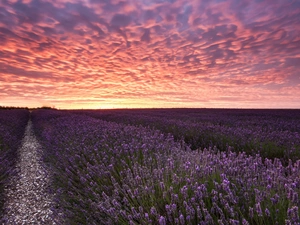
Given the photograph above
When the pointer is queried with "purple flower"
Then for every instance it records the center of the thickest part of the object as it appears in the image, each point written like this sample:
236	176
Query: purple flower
234	222
199	214
181	219
174	207
258	209
293	214
251	212
153	211
245	222
162	185
168	209
267	212
288	222
220	222
162	220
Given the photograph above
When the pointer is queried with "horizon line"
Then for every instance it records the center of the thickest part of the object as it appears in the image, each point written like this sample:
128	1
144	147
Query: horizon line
141	108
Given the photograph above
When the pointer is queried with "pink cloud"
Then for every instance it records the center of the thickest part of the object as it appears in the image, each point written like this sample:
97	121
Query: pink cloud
191	52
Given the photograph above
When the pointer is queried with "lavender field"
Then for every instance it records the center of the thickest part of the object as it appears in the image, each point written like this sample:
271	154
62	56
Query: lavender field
179	166
173	167
271	133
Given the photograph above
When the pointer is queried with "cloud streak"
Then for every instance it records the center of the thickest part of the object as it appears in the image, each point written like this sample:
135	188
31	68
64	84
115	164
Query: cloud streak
158	53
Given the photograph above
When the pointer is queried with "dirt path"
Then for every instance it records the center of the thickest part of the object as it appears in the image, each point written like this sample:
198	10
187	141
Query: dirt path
27	198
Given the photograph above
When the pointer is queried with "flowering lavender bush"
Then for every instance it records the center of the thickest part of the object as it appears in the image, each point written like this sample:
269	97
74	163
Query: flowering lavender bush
12	126
110	173
272	133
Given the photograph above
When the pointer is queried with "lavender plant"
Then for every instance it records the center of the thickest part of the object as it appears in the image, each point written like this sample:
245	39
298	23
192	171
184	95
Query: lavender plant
111	173
12	127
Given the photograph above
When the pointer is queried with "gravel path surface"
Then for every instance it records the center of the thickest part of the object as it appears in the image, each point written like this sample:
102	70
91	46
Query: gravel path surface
26	194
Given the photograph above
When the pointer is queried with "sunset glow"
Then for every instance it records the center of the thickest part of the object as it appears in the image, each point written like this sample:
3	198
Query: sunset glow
150	53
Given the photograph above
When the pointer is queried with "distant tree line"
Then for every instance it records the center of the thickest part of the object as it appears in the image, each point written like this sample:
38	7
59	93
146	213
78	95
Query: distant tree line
17	107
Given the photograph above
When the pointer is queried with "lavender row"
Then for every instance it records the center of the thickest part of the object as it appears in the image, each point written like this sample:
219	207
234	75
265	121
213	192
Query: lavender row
272	133
110	173
12	127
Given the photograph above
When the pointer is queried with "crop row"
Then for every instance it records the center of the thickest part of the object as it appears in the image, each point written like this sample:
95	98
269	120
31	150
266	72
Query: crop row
12	127
272	133
113	173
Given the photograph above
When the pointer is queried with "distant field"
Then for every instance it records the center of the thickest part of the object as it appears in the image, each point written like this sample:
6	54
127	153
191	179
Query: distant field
272	133
175	166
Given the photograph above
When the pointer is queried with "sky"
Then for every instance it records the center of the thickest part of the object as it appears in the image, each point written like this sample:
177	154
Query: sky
150	53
